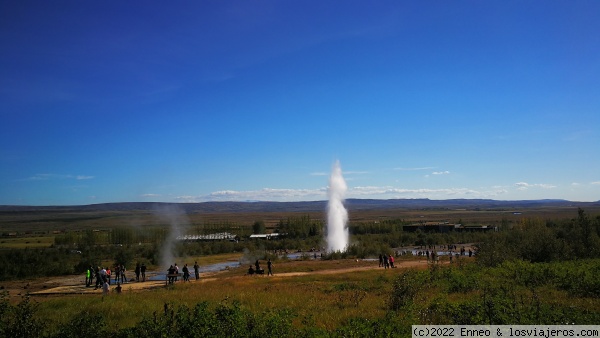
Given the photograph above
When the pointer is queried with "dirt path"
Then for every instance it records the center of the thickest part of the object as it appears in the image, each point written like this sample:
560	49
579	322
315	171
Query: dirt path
75	284
404	264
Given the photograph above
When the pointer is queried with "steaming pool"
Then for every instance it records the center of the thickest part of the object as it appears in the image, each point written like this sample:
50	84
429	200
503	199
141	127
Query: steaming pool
162	275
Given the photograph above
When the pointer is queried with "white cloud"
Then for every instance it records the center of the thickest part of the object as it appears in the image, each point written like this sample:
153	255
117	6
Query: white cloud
391	192
597	182
189	199
525	185
266	194
440	172
150	195
319	174
44	177
384	192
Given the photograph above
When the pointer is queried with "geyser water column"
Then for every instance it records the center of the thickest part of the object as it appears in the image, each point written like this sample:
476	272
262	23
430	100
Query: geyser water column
337	216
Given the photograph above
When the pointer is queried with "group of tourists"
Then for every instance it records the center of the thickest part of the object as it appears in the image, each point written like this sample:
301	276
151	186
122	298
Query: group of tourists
386	261
258	270
140	270
173	272
104	275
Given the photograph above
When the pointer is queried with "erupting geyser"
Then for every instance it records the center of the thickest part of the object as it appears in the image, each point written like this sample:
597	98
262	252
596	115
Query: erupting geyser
337	216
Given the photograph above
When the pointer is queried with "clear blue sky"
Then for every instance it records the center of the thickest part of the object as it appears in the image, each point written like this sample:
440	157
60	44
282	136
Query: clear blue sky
115	101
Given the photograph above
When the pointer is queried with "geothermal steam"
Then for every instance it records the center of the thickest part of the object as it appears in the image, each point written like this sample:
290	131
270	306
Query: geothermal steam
178	221
337	216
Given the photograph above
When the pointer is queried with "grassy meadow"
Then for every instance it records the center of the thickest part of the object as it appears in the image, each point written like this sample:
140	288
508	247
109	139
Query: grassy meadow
321	300
540	267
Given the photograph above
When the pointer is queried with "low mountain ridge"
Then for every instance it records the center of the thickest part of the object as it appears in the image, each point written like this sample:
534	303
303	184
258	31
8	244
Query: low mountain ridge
306	206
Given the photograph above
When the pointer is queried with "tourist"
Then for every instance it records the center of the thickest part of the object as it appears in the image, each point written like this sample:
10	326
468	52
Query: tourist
143	271
98	278
380	260
170	274
270	267
103	275
123	277
105	288
137	271
117	273
89	275
186	273
197	270
386	264
391	259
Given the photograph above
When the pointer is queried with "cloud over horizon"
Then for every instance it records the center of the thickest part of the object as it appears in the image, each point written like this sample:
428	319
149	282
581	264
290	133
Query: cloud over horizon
525	185
375	192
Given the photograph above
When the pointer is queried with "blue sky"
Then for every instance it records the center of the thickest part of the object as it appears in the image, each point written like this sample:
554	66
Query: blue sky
255	100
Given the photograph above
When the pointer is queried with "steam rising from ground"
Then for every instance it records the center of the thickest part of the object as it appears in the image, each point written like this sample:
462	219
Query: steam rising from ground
337	216
178	223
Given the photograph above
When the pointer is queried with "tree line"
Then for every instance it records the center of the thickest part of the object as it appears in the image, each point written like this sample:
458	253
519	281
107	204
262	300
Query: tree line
534	240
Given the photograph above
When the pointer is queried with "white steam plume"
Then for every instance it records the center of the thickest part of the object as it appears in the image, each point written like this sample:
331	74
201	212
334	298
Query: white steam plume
178	221
337	216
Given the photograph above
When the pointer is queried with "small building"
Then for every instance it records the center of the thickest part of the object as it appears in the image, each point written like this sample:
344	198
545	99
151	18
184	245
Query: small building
209	237
478	228
444	227
266	236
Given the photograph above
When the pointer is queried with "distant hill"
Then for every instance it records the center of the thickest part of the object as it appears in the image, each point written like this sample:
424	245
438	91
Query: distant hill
309	206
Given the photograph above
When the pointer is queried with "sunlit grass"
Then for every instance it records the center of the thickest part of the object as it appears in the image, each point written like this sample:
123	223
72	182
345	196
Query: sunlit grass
322	300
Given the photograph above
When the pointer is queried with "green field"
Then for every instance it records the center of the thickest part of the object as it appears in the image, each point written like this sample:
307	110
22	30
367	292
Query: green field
540	267
26	242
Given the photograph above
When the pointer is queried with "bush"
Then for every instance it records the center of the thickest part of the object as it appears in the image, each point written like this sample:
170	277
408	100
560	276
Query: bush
406	287
19	320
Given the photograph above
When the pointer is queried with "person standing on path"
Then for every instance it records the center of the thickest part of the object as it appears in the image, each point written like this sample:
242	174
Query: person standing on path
197	270
105	288
270	267
123	277
88	276
143	271
138	270
186	273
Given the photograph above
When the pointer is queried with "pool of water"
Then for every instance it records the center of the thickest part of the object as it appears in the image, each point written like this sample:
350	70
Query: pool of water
203	269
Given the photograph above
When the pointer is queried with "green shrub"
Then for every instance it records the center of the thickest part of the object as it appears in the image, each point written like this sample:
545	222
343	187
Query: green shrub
406	287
